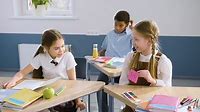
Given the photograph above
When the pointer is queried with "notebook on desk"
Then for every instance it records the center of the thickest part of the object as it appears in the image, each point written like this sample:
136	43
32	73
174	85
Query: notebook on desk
34	84
115	62
6	93
21	99
163	103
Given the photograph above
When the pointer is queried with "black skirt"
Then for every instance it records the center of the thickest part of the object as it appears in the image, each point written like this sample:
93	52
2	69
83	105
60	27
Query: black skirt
65	107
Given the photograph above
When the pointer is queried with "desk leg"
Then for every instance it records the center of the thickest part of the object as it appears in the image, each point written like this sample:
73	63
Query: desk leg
88	104
88	78
100	100
111	99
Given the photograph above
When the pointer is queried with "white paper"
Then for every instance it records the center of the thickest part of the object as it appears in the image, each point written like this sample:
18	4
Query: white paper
34	84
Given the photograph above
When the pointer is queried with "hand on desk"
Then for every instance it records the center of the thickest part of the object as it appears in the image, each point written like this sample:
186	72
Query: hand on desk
13	81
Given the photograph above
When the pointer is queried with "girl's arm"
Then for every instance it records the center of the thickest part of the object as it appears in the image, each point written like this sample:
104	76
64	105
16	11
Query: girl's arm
164	77
72	76
165	72
18	76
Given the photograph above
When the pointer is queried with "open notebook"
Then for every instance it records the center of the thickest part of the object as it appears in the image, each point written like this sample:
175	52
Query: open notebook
34	84
115	62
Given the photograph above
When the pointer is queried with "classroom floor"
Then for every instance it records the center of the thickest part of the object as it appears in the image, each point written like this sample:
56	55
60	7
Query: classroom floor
117	104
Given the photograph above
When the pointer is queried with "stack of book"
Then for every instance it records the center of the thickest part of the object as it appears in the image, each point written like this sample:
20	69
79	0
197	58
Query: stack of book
21	99
163	103
6	93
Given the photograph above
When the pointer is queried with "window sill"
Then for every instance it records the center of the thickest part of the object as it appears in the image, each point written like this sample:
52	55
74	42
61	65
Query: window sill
45	17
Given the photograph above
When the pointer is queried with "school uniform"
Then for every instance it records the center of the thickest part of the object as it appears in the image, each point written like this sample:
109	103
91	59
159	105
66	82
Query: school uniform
163	72
164	69
57	67
116	45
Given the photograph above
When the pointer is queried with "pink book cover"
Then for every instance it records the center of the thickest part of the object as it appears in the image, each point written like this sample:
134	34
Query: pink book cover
164	102
133	76
103	59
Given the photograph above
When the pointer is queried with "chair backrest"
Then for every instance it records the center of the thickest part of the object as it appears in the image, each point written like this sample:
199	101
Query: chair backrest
81	68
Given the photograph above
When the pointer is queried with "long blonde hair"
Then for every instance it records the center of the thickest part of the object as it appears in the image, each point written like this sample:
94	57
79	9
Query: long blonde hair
147	29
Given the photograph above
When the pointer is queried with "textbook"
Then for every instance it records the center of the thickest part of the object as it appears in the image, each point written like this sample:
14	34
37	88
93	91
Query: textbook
6	93
21	99
115	62
163	103
34	84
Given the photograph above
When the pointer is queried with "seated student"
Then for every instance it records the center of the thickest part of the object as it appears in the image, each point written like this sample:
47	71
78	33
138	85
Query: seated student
117	43
51	61
152	66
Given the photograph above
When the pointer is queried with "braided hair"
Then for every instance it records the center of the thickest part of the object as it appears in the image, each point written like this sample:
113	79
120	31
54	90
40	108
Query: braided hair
150	30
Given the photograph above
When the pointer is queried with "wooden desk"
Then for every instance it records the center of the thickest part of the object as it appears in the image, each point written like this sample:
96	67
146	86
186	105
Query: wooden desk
74	89
145	92
110	72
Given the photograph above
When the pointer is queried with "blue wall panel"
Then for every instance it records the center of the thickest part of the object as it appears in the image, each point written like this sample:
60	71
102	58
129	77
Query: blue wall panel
182	50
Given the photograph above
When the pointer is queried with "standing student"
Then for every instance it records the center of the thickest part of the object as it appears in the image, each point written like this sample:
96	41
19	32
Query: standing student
117	43
51	61
153	67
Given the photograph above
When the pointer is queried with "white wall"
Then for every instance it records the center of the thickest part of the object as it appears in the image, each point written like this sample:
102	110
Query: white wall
174	17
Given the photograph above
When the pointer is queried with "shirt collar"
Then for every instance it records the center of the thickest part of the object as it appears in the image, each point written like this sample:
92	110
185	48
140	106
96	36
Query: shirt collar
127	31
50	58
147	57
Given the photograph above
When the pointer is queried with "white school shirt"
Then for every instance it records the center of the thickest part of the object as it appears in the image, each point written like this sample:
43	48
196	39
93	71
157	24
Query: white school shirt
65	62
164	70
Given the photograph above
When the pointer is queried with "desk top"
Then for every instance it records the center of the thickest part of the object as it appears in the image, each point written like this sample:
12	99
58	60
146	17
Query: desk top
74	89
145	92
111	72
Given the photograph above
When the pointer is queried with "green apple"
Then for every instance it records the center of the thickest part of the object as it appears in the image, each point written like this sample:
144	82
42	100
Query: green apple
48	93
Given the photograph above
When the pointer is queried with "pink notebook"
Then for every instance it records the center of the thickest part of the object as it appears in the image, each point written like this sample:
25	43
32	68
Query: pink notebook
163	102
133	76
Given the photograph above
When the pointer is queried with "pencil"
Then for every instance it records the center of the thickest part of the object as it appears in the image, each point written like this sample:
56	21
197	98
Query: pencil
59	90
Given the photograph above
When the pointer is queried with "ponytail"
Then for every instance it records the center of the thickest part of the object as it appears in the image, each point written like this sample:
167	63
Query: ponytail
37	73
152	66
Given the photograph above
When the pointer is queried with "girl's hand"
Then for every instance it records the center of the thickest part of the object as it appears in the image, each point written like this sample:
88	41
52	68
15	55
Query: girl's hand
13	81
146	74
80	104
9	84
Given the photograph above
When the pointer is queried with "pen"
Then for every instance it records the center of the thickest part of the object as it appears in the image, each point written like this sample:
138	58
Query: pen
196	103
193	103
188	102
182	102
185	100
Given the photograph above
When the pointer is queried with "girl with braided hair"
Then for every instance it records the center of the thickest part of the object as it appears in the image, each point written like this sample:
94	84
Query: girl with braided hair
153	67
